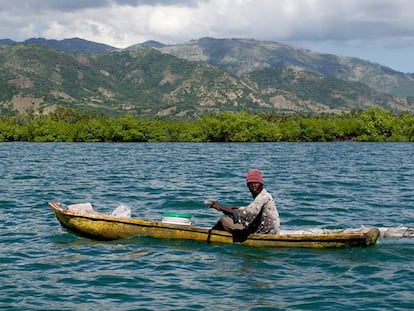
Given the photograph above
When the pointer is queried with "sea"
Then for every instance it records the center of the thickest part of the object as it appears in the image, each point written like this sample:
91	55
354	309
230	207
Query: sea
315	185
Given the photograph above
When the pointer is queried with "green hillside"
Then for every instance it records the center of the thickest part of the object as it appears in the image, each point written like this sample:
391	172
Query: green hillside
241	56
320	90
147	82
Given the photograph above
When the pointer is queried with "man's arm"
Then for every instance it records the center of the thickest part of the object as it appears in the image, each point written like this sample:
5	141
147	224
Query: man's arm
228	210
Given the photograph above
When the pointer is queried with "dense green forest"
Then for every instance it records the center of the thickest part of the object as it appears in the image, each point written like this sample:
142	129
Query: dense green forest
68	125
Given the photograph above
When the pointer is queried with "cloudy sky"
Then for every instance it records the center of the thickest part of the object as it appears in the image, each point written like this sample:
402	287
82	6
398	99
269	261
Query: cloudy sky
381	31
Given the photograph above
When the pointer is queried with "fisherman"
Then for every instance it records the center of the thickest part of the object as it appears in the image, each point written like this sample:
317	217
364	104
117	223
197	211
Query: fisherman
260	216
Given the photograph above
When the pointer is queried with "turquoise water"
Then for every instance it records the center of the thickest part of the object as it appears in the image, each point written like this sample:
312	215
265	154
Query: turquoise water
329	185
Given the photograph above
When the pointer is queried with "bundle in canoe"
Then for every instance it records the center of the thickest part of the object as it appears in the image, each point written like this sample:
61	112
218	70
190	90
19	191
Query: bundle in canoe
105	227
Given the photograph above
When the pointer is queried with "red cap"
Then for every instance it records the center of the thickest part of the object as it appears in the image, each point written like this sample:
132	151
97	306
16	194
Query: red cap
254	176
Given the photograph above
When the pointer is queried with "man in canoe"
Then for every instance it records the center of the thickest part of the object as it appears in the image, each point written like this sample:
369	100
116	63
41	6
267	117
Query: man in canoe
260	216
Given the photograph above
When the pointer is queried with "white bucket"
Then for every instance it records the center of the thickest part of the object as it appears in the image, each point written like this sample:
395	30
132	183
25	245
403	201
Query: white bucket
176	218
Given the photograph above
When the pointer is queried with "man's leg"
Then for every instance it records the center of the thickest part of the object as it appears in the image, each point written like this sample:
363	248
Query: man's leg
229	225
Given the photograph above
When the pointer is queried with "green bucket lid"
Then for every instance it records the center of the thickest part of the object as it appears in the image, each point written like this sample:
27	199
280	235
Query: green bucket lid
176	214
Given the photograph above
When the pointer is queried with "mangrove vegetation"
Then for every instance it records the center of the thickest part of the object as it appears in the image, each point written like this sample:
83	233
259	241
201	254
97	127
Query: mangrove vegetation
67	125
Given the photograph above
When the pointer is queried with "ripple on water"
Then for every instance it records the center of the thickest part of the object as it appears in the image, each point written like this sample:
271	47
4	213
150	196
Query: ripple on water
43	267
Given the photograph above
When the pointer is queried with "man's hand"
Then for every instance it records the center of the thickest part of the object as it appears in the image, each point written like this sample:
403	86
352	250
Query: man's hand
228	210
213	204
216	205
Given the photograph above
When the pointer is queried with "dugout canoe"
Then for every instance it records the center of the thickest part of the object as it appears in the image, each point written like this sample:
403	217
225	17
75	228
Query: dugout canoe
100	226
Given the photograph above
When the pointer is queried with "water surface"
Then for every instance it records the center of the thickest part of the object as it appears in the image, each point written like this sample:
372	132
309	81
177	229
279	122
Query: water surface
328	185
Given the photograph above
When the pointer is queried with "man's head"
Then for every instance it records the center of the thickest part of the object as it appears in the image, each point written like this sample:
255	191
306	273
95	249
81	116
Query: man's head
254	180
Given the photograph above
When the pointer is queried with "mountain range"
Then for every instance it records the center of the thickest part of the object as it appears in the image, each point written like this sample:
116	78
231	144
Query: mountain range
192	78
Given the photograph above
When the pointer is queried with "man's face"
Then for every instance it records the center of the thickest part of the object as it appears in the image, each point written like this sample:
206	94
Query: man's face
255	188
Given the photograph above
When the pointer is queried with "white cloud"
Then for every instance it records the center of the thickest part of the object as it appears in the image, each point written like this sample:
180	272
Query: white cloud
384	24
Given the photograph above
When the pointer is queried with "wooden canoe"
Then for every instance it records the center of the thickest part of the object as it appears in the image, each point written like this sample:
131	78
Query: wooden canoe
105	227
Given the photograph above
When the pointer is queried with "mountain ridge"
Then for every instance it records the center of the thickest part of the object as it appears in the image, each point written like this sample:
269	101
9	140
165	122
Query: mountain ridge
240	56
151	79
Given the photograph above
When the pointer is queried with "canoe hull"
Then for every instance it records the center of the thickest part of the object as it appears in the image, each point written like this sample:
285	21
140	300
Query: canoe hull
104	227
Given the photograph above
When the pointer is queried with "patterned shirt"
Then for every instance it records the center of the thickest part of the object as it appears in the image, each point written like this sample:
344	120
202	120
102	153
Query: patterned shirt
264	207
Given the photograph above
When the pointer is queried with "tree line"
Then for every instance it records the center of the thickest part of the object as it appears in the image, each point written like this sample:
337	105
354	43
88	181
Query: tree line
68	125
